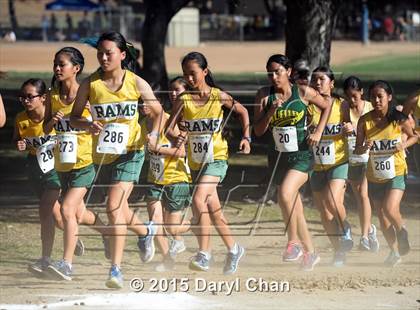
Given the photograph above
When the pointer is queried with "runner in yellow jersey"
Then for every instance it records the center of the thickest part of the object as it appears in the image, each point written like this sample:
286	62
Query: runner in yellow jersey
412	106
353	108
379	131
200	108
113	92
73	155
29	136
169	192
328	180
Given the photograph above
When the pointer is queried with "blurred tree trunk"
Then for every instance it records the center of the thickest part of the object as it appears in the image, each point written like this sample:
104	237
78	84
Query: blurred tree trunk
12	15
158	15
309	30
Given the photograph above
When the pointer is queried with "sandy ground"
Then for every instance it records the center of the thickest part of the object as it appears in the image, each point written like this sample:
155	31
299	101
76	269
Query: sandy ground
223	57
364	283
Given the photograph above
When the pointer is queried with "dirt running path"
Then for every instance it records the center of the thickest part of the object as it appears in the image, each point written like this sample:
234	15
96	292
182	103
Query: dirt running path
223	57
364	283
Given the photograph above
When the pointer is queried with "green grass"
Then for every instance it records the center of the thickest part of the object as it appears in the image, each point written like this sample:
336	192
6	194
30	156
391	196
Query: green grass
393	68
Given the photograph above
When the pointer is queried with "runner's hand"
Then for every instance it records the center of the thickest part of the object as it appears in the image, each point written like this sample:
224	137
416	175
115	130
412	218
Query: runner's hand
95	127
21	145
244	147
348	128
57	117
314	138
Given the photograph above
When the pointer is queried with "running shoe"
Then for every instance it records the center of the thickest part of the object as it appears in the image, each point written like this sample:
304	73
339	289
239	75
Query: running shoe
39	266
403	245
346	241
364	244
393	259
115	279
309	261
146	244
60	270
373	239
293	252
200	262
232	261
176	247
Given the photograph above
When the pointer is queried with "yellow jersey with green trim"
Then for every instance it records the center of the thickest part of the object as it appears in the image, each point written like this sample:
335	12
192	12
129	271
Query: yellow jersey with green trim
332	148
77	140
385	161
31	132
417	116
165	170
354	159
204	126
117	111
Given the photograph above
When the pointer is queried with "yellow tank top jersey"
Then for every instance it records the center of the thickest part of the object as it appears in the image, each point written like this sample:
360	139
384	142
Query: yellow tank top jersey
383	153
355	118
84	138
417	116
332	149
204	126
351	139
31	132
165	170
115	107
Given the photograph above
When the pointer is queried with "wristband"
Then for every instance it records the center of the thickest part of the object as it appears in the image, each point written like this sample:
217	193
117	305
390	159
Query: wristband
247	138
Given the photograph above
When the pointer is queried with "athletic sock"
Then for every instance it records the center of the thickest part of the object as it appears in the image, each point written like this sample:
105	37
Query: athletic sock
235	249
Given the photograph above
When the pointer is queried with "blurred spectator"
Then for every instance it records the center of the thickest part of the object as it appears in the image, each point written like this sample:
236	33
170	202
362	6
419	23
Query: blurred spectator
10	36
388	28
97	23
53	24
402	29
69	23
45	26
84	26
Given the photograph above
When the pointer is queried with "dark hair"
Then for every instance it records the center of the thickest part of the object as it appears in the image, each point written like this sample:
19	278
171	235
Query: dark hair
326	70
179	79
39	84
76	58
280	59
352	82
301	70
130	61
393	115
202	63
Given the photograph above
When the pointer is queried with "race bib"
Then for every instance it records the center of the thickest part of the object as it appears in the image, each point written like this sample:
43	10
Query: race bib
113	139
67	146
45	156
383	166
201	147
324	152
354	158
156	165
285	139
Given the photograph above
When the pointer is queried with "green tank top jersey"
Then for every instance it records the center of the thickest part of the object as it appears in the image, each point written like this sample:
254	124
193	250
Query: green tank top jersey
293	112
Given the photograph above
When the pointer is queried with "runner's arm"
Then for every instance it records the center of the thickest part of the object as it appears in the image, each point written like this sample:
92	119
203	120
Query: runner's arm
240	110
76	118
262	118
323	102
